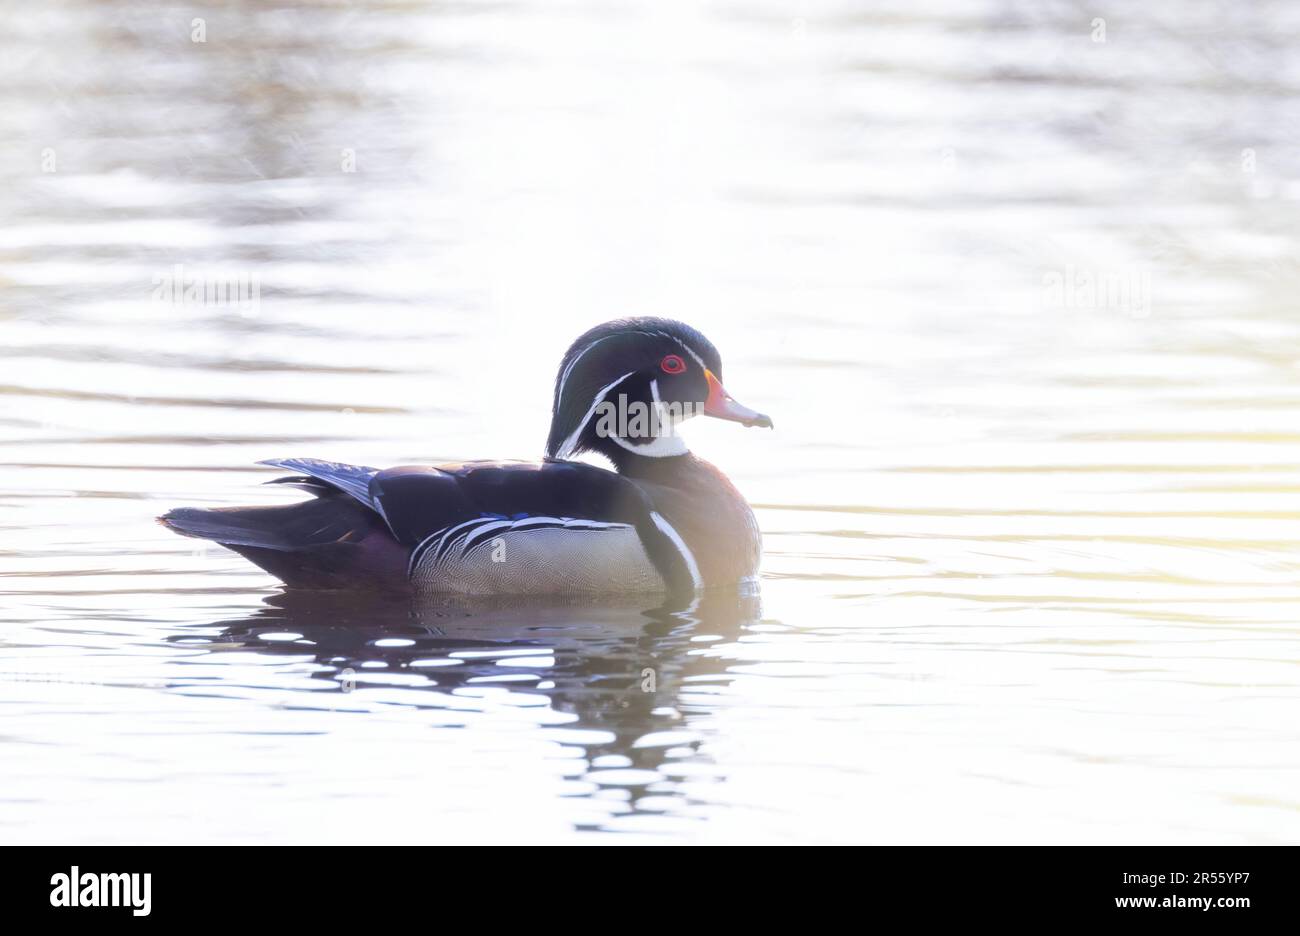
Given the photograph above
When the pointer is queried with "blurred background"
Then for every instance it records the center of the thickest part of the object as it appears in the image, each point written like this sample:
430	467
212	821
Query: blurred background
1016	281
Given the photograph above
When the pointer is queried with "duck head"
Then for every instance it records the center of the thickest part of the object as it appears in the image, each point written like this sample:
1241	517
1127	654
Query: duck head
624	386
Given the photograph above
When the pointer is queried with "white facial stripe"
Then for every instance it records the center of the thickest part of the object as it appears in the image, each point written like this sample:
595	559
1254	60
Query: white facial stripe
564	378
565	450
691	352
687	348
663	446
670	414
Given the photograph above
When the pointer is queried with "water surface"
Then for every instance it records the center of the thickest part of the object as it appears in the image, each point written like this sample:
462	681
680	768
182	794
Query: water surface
1031	568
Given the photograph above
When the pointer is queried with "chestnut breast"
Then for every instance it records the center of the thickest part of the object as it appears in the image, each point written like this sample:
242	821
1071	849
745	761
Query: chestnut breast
709	514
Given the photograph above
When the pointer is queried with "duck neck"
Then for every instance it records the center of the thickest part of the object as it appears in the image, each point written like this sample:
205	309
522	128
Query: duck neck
663	469
705	510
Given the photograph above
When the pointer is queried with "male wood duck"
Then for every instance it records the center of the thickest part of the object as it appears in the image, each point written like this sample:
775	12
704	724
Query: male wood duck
664	521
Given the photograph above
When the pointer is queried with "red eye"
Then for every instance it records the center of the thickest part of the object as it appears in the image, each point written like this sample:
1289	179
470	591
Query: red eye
672	364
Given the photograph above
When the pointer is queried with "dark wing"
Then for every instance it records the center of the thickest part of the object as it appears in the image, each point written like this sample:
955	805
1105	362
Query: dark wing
417	501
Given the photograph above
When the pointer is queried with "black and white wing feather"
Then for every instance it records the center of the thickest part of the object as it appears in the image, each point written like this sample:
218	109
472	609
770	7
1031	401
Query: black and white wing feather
353	480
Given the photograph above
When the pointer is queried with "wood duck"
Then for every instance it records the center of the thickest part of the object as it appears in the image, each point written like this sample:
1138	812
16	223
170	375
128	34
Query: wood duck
664	521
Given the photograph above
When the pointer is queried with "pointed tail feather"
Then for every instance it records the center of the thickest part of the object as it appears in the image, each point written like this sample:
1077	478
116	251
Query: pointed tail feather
231	526
330	542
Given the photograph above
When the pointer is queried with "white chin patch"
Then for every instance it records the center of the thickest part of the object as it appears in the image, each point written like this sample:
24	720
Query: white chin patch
668	442
659	447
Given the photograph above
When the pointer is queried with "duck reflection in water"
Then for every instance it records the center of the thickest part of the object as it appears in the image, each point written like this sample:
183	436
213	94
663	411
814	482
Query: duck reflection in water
621	671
